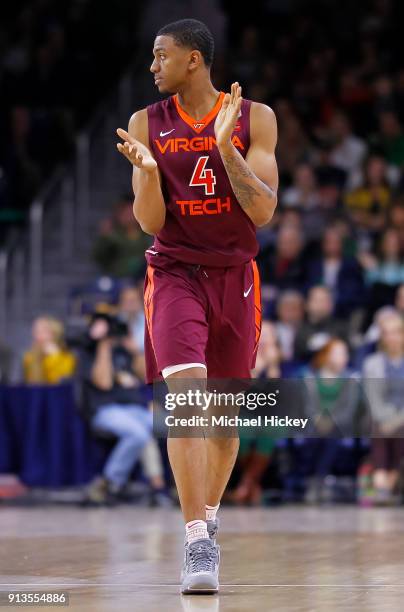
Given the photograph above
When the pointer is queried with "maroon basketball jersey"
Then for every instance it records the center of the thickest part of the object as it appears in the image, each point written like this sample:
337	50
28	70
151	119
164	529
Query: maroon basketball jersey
204	222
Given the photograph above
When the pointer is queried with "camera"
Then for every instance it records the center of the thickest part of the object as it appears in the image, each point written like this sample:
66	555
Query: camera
103	325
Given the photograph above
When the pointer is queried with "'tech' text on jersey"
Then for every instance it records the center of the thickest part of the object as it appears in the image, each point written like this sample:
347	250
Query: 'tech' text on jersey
204	222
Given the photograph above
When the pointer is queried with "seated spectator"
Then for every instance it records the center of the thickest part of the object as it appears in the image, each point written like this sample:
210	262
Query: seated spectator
327	172
304	196
366	344
330	194
5	364
130	311
256	447
384	272
48	361
391	138
120	247
285	267
341	275
303	193
348	150
367	205
115	401
349	240
383	374
320	324
290	313
333	407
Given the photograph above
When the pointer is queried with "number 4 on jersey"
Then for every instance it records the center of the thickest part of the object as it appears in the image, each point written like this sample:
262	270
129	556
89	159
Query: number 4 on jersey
203	176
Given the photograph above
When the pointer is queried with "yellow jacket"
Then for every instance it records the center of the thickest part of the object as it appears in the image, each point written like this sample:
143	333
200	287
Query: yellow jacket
48	369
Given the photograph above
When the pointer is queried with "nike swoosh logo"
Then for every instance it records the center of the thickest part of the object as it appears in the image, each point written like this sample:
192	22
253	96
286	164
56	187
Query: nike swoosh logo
165	133
248	291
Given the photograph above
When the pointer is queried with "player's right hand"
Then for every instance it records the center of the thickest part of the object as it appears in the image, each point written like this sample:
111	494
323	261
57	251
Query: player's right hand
135	151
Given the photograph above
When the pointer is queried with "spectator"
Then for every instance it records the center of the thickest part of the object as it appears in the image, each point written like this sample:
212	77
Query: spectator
367	205
48	361
371	337
116	404
130	310
303	193
341	275
332	403
391	139
348	151
383	374
320	324
385	271
304	196
285	268
290	313
327	172
119	249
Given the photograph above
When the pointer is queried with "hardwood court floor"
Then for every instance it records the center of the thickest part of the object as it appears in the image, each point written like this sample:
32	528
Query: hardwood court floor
288	559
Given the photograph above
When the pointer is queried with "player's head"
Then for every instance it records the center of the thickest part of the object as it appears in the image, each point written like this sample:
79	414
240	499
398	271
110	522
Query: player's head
182	49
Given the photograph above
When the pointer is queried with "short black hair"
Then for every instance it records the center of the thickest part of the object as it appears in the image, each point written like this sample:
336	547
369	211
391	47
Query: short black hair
193	34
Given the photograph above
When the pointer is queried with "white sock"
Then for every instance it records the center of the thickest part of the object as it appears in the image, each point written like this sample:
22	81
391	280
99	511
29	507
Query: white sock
211	512
196	530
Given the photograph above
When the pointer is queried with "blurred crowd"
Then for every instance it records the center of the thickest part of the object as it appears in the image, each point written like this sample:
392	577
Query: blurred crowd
57	61
331	261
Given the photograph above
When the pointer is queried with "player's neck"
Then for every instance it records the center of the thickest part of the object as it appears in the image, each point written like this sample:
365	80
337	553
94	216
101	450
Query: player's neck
197	99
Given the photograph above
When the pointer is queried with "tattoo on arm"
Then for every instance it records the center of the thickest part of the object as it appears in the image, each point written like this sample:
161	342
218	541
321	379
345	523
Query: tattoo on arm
238	171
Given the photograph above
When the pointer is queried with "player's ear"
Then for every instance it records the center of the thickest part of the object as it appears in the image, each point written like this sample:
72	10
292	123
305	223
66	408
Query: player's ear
195	59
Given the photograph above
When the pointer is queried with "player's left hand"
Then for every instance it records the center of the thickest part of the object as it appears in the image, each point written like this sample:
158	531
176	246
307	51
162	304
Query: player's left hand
228	115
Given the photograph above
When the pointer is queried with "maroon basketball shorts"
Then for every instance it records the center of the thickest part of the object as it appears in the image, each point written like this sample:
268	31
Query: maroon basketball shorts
197	314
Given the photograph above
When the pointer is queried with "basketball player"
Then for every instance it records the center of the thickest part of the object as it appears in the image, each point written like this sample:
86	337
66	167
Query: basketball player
204	176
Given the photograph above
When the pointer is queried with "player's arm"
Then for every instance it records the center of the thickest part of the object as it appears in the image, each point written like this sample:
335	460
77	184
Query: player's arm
255	179
149	206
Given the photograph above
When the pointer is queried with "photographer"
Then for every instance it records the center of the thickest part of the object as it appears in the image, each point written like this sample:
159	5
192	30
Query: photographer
112	371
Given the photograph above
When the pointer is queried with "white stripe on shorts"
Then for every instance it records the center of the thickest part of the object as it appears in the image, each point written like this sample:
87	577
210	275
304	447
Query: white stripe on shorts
181	366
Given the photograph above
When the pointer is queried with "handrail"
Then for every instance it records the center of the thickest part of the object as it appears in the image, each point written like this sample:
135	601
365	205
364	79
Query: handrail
82	182
67	216
35	246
